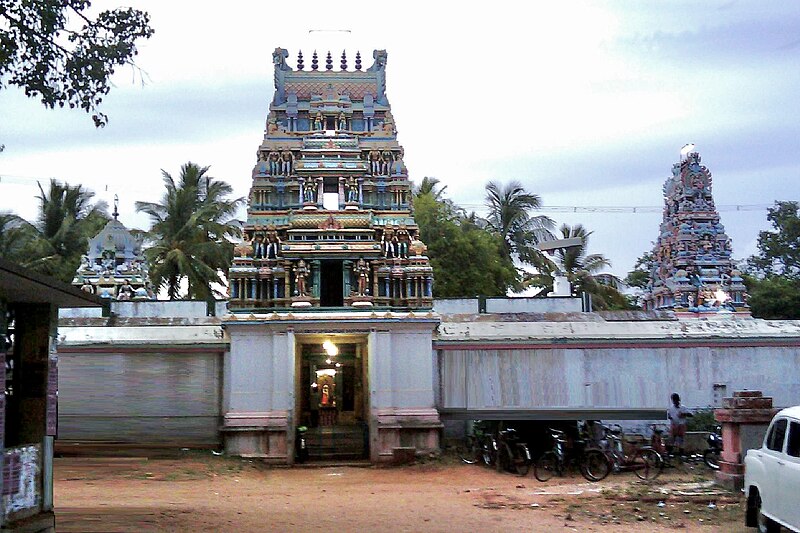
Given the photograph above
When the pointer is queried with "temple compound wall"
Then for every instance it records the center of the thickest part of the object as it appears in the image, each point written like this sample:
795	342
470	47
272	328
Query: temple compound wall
195	383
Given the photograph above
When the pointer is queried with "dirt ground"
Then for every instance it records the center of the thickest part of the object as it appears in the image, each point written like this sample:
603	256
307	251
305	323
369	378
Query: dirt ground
202	492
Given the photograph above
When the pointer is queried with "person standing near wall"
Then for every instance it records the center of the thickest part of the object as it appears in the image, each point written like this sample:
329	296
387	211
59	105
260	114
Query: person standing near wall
678	416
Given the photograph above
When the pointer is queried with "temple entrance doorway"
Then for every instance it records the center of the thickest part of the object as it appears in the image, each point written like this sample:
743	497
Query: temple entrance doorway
331	290
333	396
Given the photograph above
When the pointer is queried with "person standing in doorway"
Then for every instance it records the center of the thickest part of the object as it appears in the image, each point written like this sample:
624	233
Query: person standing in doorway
678	417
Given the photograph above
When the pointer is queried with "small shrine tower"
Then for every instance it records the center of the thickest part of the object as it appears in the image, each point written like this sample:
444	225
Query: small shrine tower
329	218
114	265
692	267
331	322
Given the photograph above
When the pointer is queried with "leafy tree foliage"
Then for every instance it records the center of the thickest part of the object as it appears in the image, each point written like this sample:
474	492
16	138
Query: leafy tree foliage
774	273
640	275
67	219
16	235
55	52
54	244
775	297
190	232
467	260
779	250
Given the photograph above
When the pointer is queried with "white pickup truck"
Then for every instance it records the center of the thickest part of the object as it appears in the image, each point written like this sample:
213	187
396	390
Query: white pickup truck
772	476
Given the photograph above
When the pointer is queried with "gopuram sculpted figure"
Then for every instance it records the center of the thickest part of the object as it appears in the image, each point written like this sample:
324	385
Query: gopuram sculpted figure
404	240
286	162
342	121
310	192
273	245
352	190
300	274
389	243
386	162
375	162
258	244
362	271
274	163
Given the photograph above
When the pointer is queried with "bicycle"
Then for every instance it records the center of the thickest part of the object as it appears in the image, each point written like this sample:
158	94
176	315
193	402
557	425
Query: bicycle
479	446
512	453
645	461
710	456
592	463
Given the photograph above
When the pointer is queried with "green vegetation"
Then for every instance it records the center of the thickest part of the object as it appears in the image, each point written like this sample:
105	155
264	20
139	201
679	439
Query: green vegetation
54	244
472	256
189	236
773	279
55	52
467	260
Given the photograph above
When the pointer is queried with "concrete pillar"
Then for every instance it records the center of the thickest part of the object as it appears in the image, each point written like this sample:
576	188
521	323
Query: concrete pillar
744	418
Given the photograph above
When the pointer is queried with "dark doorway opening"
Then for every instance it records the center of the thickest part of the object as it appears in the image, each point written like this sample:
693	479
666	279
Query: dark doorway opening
331	284
332	399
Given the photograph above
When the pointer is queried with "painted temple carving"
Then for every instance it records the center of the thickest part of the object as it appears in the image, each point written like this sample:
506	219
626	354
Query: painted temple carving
114	265
329	217
693	269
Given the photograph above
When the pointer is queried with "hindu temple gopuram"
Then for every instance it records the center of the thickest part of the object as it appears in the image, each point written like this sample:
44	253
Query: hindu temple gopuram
329	221
330	319
693	271
114	265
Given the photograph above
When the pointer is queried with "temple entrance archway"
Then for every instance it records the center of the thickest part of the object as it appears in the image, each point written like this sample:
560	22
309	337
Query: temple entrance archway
333	395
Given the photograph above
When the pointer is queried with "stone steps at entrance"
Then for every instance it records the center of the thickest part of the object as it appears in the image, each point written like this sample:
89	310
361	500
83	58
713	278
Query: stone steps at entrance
338	442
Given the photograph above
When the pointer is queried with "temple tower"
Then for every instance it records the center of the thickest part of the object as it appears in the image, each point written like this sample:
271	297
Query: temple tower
692	267
329	219
330	291
114	266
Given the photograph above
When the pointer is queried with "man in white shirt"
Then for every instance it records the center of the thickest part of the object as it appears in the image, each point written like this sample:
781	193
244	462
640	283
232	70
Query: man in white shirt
678	416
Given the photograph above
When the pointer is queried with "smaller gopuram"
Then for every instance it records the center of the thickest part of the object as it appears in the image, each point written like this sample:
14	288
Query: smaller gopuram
114	265
693	271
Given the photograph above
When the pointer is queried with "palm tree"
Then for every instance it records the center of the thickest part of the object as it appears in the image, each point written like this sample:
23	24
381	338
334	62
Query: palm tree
67	218
190	232
573	260
430	186
510	217
15	235
580	269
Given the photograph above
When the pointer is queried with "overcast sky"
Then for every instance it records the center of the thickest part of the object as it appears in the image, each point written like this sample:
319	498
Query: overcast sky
587	104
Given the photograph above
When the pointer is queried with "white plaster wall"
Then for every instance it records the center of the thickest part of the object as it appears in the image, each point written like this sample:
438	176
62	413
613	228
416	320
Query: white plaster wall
149	309
401	369
259	372
531	305
456	306
614	377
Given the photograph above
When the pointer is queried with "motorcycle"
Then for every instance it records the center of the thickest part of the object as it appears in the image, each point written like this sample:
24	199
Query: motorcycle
712	454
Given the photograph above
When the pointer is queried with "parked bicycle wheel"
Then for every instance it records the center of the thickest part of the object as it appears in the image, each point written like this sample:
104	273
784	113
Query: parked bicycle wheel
522	459
711	459
647	464
489	448
595	465
546	466
468	450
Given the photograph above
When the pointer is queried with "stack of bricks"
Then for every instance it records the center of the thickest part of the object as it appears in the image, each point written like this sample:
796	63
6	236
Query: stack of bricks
745	418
